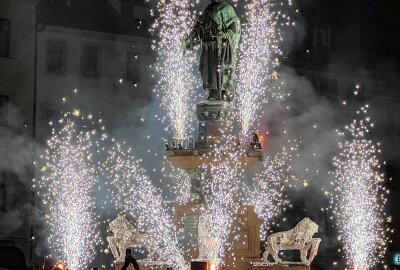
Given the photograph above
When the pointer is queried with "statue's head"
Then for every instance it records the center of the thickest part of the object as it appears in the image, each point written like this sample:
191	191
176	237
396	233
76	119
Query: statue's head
306	226
118	224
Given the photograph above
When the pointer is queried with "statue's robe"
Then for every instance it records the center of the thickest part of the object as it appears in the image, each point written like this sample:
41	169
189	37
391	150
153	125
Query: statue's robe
218	29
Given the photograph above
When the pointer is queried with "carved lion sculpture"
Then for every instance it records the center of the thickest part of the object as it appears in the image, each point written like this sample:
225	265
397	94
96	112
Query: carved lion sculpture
298	238
126	236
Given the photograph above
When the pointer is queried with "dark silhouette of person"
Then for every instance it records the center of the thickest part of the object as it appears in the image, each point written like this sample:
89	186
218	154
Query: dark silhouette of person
130	260
255	143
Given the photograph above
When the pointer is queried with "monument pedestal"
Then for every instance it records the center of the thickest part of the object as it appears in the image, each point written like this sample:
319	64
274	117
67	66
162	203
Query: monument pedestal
245	241
214	123
280	267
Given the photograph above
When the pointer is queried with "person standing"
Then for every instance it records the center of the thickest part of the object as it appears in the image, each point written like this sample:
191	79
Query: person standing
130	260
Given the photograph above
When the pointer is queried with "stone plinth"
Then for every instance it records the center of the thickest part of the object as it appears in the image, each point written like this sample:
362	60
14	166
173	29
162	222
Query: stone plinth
214	120
246	244
189	159
280	267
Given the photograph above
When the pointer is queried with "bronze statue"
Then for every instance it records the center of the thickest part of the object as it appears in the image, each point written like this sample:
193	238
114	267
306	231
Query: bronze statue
218	31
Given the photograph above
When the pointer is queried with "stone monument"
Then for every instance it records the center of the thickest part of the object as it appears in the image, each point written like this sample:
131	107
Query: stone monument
217	33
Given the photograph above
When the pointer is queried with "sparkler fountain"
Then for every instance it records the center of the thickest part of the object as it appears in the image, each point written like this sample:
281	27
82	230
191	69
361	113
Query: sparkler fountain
359	195
66	181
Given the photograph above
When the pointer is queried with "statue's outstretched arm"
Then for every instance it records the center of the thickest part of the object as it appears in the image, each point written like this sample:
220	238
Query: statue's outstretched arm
192	40
194	37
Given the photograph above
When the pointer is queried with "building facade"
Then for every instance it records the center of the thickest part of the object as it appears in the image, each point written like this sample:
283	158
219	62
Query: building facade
48	49
342	58
17	54
104	58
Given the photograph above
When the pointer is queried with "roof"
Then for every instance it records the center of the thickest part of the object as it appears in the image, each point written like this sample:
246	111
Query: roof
94	15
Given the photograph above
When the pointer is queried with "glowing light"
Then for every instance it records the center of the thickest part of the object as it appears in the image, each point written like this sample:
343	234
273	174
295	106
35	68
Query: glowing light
359	195
262	138
76	112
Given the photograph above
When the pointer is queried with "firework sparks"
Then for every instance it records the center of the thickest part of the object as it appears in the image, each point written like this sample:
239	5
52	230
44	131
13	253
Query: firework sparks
359	197
174	68
67	178
136	195
267	193
220	187
181	184
258	60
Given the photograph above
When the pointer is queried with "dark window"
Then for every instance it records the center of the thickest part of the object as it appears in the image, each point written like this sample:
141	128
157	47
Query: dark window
322	38
56	57
3	192
4	37
4	100
90	61
133	67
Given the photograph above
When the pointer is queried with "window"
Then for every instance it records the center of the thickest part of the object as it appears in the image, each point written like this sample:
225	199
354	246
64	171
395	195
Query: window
4	100
3	192
4	38
90	61
133	67
322	38
3	110
56	57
